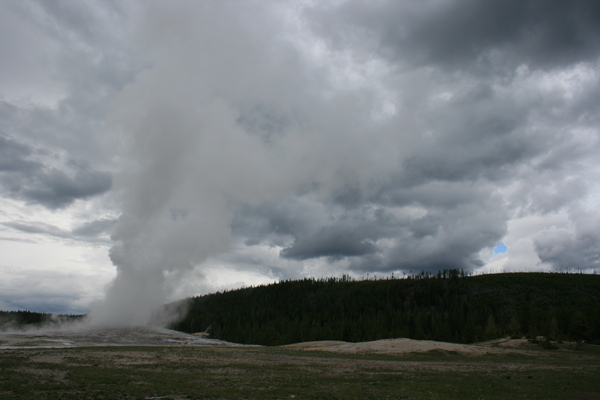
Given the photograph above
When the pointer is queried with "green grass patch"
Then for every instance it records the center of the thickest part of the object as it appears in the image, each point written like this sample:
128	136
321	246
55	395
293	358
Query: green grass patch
274	373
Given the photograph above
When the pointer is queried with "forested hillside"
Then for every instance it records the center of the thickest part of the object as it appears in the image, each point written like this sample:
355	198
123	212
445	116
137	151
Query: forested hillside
445	307
23	319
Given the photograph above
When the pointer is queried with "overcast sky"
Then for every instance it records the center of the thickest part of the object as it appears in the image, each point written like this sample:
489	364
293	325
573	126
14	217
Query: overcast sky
185	147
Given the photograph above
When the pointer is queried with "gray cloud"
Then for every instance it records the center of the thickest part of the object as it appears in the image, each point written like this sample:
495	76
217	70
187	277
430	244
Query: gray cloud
486	87
450	237
431	226
461	34
42	291
346	137
62	64
480	134
329	243
23	178
54	188
91	231
94	229
346	236
68	60
43	229
13	156
574	249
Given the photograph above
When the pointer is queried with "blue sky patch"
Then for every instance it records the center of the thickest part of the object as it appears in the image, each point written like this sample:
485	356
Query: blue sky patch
500	248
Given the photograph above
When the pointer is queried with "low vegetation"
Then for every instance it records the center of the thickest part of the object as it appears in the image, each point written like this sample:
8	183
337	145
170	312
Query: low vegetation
281	373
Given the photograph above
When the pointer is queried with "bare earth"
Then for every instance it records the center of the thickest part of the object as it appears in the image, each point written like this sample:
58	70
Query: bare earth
81	336
90	337
398	346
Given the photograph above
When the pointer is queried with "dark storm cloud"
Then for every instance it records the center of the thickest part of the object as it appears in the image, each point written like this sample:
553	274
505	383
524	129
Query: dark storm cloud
495	91
43	229
307	230
477	134
63	61
91	231
435	225
349	236
450	238
329	243
32	181
94	229
279	219
565	252
468	33
13	156
453	222
572	249
54	188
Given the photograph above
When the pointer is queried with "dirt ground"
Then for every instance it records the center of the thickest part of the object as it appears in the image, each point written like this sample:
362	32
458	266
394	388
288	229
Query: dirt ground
83	336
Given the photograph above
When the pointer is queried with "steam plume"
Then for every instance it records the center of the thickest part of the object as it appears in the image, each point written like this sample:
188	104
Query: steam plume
214	123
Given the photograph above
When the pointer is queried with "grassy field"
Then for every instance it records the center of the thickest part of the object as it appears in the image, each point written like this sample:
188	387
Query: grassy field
283	373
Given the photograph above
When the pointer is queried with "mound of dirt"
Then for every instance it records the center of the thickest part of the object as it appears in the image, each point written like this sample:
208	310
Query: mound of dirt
395	346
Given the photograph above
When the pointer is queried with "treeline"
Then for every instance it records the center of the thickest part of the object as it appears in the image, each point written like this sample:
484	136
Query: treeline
447	306
24	319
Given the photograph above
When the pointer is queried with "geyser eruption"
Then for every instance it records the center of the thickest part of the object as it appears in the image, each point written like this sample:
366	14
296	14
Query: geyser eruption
226	115
188	162
212	124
